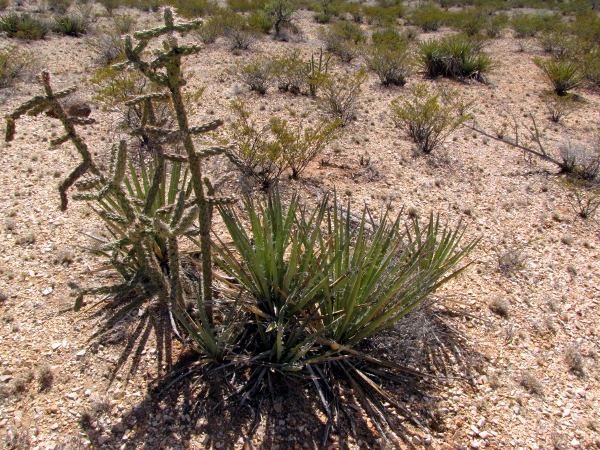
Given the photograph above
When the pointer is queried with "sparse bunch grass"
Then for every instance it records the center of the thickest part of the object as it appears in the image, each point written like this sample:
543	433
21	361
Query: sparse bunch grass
495	23
344	39
15	64
427	118
562	75
23	26
58	6
340	94
454	56
124	23
258	74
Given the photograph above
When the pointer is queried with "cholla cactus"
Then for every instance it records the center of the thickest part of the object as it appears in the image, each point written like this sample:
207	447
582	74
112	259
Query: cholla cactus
141	225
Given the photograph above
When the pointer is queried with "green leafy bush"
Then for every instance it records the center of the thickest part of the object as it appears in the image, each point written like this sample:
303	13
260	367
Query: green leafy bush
343	39
339	95
426	119
291	72
73	25
260	21
495	23
382	16
23	26
428	17
284	15
529	25
454	56
246	5
235	29
14	64
562	75
591	68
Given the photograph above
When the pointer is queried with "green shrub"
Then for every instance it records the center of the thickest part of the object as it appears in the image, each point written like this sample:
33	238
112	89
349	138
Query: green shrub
236	30
343	39
283	14
192	9
426	119
258	74
495	23
529	25
382	16
251	6
210	30
110	5
107	46
558	43
14	64
58	6
562	75
388	37
340	95
591	68
73	25
470	21
354	10
453	57
23	26
391	63
124	23
260	21
290	71
428	17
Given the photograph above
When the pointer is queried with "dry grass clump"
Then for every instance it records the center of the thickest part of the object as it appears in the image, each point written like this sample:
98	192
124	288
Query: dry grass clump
531	383
573	358
44	377
500	306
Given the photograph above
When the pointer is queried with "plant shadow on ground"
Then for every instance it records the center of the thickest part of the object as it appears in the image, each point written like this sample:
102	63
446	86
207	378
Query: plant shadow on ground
198	407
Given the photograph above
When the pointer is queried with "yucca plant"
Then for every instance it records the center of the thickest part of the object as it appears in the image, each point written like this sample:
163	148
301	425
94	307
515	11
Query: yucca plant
71	25
312	284
563	75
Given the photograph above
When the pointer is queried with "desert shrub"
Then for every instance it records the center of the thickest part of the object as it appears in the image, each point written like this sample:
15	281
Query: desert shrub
14	64
581	159
290	71
258	154
210	30
382	16
260	21
529	25
343	39
72	25
107	46
339	95
23	26
115	88
110	5
283	14
470	21
354	10
4	4
557	42
192	9
246	5
301	144
124	23
426	119
235	29
591	67
582	195
561	74
58	6
495	23
391	63
258	74
454	57
428	17
559	106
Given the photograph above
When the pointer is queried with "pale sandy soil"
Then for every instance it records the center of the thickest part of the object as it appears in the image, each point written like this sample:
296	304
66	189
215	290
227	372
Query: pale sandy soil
507	200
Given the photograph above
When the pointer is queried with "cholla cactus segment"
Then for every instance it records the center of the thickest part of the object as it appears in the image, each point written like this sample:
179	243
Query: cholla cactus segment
152	96
121	163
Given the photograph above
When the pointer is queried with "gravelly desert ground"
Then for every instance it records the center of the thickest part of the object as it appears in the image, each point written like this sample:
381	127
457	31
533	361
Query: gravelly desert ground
514	385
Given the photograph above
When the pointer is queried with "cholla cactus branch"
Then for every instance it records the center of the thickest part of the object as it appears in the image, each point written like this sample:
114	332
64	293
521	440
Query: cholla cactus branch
143	98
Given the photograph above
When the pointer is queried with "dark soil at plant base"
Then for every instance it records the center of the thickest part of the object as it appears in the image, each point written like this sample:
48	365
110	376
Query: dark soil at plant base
510	201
